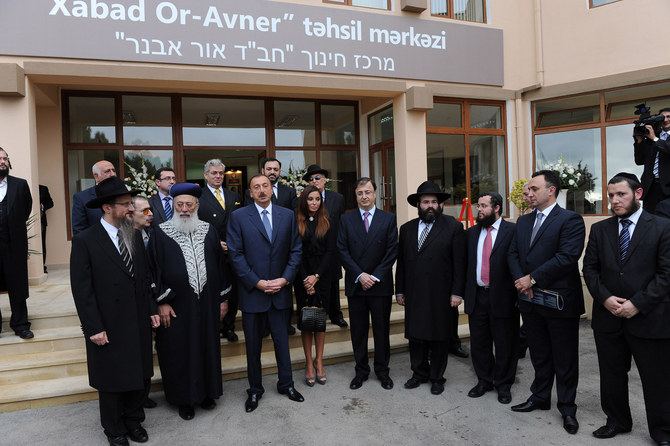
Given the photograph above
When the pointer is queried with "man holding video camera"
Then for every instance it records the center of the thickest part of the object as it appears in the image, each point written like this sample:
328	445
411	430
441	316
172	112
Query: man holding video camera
652	150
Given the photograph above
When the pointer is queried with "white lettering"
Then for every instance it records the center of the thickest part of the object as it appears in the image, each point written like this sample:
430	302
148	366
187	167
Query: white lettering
99	10
80	9
172	9
212	16
59	6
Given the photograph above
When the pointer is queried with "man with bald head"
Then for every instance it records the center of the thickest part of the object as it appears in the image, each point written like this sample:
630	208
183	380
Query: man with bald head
83	217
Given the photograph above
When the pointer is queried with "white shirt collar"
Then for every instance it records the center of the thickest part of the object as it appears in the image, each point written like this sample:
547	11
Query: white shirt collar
260	209
548	209
371	211
163	196
3	188
111	230
213	189
635	217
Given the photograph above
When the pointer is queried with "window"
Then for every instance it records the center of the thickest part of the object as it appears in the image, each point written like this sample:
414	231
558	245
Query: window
596	3
468	10
467	160
592	132
377	4
147	120
223	122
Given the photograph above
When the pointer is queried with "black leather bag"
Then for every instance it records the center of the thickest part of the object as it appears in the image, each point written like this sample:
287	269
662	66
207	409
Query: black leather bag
313	319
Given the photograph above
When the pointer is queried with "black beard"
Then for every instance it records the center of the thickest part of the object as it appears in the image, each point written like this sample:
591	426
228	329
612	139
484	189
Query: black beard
4	172
486	221
634	206
429	215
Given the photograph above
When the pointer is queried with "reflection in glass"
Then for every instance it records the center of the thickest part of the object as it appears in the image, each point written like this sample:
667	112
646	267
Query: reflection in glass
241	165
342	167
378	4
627	109
487	167
223	122
446	168
444	115
91	120
151	159
572	110
470	10
620	151
147	120
295	159
485	117
381	126
439	7
580	149
338	124
294	123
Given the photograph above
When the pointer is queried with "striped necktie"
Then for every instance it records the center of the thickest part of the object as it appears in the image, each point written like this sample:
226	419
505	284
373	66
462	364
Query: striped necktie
125	255
624	238
168	208
423	235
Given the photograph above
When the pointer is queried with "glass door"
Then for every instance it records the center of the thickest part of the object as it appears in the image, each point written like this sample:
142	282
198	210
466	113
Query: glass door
382	170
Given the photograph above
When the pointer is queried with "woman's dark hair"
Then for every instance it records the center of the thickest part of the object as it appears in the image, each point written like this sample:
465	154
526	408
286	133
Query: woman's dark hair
321	216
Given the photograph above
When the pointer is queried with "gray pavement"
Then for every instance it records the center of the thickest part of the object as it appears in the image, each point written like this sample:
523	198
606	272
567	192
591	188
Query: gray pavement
335	415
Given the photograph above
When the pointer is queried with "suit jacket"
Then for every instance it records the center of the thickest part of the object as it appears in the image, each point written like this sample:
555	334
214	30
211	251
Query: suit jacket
46	203
429	276
551	259
503	293
643	277
286	197
372	252
109	299
663	208
158	209
645	155
211	211
19	206
254	257
83	217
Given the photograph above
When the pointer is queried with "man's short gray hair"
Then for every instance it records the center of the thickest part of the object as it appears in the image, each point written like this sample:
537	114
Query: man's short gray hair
139	197
214	163
95	170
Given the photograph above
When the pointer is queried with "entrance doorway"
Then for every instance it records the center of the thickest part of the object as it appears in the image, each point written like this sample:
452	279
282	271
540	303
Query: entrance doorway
382	170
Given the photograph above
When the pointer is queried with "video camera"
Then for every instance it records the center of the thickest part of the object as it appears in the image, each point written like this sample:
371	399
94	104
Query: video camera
646	118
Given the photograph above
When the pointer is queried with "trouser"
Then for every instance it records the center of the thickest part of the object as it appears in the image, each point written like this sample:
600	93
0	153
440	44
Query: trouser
17	303
121	412
361	308
428	359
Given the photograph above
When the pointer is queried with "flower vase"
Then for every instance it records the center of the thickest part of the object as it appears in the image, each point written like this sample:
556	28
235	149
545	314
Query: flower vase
562	198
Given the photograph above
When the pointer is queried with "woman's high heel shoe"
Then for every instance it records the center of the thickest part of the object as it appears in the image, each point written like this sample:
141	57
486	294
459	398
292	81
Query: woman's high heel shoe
321	379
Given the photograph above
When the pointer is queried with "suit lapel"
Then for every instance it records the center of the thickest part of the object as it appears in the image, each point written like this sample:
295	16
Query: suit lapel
11	192
547	222
612	235
640	229
160	208
502	230
434	233
108	247
255	219
276	221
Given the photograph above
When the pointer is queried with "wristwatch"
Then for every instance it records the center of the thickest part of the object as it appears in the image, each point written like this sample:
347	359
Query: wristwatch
532	281
317	276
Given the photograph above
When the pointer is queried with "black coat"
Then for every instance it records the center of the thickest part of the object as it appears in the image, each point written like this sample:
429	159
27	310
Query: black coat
83	217
19	206
643	277
430	276
286	198
109	299
158	209
645	155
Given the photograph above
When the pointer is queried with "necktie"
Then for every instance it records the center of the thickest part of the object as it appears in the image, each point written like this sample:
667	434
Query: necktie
145	238
125	255
538	222
486	257
423	235
624	238
168	208
219	198
367	223
266	223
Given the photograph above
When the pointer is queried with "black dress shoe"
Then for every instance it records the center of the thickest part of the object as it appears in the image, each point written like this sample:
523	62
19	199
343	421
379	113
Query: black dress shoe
149	403
292	394
357	382
608	431
232	336
121	440
186	412
386	381
139	435
25	334
340	322
458	351
570	424
504	397
664	443
208	404
413	383
290	330
479	390
530	406
252	402
437	388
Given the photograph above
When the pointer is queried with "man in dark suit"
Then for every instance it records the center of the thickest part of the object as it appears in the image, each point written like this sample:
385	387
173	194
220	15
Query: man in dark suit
318	177
543	255
111	282
653	152
46	203
429	282
216	205
368	245
265	251
15	206
627	271
161	203
491	300
282	195
84	217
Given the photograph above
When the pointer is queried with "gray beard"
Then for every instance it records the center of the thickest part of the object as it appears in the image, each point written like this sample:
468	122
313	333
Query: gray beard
128	232
186	225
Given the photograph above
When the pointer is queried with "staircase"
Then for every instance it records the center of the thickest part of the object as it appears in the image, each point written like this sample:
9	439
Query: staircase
51	368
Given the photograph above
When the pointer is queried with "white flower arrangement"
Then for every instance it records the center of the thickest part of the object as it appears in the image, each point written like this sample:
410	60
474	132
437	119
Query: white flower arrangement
294	180
568	174
140	180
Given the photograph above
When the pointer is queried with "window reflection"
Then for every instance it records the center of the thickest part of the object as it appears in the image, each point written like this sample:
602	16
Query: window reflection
338	124
294	123
91	120
223	122
147	120
446	168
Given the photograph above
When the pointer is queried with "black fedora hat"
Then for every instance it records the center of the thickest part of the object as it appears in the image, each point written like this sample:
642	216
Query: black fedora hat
313	170
107	189
427	188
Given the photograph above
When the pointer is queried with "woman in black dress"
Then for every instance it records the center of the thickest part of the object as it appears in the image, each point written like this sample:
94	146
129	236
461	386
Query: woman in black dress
312	286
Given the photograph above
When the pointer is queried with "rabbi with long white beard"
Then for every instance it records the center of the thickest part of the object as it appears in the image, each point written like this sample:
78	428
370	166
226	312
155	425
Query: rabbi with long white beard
191	304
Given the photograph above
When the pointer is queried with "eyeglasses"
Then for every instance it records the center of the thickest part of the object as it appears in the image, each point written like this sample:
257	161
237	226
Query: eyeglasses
315	177
146	211
167	179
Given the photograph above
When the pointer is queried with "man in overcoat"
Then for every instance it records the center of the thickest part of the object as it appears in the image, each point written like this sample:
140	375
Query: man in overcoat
430	279
111	286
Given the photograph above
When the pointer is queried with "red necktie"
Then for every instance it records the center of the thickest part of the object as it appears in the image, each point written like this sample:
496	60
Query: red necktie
486	256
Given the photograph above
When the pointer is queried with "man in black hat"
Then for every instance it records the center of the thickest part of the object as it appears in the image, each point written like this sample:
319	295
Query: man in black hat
430	280
627	271
111	287
334	201
192	299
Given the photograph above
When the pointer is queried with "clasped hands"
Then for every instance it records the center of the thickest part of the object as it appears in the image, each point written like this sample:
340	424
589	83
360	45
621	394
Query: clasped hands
524	286
271	286
309	283
620	307
366	281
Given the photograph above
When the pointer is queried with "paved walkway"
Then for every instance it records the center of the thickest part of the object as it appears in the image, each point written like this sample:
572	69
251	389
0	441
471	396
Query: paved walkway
335	415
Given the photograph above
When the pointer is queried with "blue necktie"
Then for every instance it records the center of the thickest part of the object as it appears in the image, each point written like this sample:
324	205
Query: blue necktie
624	238
266	223
168	208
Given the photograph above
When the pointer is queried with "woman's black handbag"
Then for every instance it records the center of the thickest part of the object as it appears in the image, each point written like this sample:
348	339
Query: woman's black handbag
313	319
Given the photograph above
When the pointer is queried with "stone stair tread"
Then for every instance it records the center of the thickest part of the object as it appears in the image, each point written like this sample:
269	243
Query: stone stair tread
45	359
42	335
